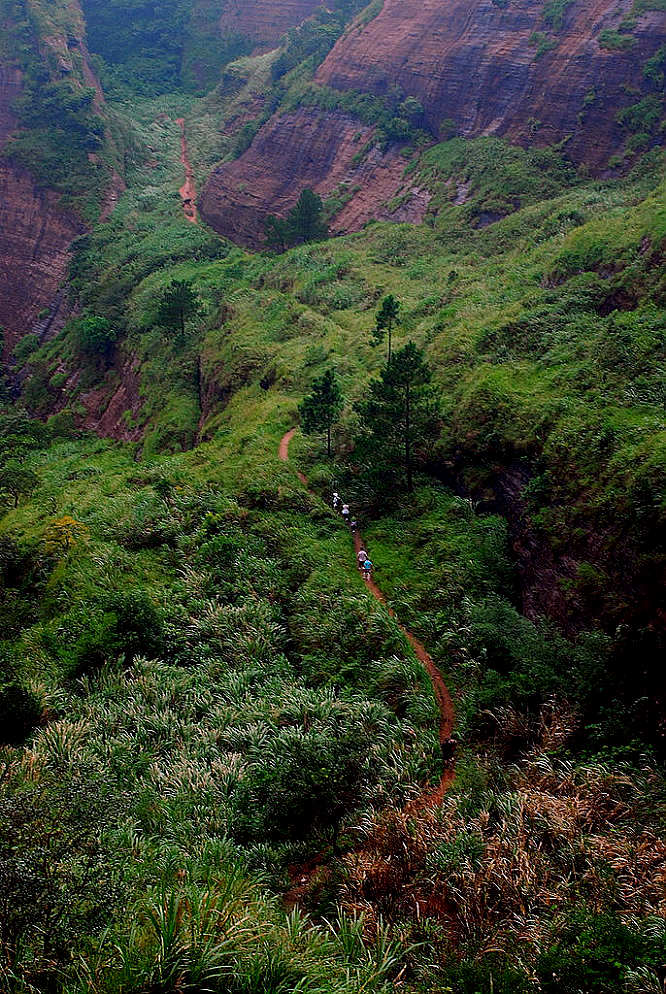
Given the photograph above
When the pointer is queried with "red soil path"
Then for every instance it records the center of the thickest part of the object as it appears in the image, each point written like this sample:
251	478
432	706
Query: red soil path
188	193
434	794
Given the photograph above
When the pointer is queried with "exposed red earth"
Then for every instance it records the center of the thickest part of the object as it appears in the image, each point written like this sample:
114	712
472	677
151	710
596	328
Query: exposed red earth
188	193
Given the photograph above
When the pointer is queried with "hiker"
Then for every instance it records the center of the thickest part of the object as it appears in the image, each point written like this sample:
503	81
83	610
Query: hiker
353	524
361	555
345	512
336	500
448	748
367	569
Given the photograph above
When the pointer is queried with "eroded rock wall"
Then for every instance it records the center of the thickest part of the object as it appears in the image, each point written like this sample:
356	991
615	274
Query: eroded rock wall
35	239
298	150
264	21
36	232
471	62
478	65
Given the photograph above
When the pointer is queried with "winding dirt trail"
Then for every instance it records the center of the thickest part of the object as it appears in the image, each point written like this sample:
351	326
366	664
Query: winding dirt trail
188	193
432	795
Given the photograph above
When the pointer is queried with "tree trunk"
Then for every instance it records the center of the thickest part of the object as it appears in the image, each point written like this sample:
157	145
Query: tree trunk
408	440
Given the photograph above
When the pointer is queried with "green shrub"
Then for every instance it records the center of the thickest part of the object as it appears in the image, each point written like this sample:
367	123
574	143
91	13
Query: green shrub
614	41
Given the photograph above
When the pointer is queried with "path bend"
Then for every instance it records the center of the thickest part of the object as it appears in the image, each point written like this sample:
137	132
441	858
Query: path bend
434	793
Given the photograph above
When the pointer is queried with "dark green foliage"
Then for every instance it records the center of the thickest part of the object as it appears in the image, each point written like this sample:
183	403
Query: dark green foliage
178	305
614	41
303	223
398	417
554	12
394	116
56	879
321	409
25	348
308	44
20	708
594	953
20	712
306	780
17	480
148	48
642	116
387	316
120	626
95	336
654	68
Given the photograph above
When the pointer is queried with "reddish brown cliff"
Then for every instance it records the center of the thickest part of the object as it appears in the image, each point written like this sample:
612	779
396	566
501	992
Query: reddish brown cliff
35	231
264	21
35	238
315	150
469	61
476	63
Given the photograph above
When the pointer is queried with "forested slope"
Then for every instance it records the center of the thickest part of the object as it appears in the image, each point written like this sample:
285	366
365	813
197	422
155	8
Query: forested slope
215	743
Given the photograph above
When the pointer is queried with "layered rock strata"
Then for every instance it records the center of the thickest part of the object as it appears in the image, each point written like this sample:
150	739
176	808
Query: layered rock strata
477	68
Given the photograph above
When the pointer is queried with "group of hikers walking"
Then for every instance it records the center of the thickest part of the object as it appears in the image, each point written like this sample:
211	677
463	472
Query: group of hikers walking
362	557
449	745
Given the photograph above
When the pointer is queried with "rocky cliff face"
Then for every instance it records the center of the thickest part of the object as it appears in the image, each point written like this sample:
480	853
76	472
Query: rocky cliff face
504	69
315	150
264	21
36	232
35	239
486	68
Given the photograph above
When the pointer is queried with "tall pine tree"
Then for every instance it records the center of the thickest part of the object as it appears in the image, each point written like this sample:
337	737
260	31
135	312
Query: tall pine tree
399	417
388	315
321	409
179	303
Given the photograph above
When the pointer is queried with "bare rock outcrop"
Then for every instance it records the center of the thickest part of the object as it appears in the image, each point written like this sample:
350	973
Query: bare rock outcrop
36	231
304	149
481	67
490	70
35	239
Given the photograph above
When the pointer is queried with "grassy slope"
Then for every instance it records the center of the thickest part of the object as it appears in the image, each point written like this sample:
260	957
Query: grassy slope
184	759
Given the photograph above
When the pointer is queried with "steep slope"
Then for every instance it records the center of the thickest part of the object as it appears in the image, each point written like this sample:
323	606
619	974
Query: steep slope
484	67
534	73
35	234
51	140
315	150
264	21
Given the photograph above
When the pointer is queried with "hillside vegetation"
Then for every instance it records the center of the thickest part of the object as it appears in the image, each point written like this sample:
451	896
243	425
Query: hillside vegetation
216	745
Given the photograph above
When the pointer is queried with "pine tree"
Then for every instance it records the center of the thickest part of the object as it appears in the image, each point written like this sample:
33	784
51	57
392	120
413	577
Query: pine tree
400	417
388	315
303	223
178	305
321	409
305	219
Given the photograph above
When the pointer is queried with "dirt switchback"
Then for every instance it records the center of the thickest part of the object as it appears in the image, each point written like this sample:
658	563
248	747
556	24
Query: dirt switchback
188	193
433	794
